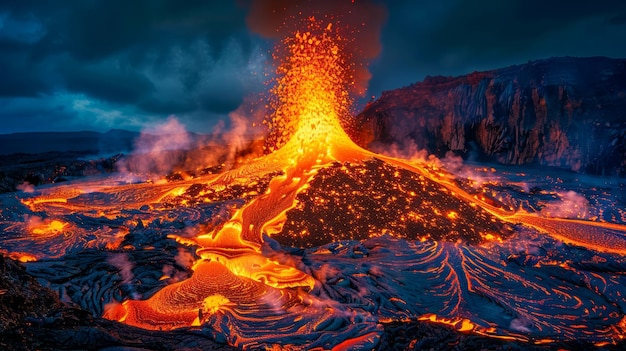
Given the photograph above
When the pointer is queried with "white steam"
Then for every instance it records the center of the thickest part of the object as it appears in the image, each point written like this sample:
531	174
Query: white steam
571	205
26	187
158	149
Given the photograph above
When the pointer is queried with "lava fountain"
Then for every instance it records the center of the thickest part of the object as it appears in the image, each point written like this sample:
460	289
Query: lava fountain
312	97
337	242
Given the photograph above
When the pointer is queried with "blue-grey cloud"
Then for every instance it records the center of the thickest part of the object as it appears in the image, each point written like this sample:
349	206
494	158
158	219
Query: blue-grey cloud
453	37
99	64
107	82
138	58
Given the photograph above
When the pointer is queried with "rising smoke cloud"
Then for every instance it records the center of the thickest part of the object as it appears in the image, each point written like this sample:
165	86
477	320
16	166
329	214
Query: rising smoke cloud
168	147
158	149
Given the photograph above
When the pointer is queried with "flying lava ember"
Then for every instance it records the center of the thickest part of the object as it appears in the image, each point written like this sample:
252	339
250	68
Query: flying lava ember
327	243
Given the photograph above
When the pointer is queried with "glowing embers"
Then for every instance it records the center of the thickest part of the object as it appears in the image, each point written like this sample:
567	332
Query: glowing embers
245	189
311	90
359	201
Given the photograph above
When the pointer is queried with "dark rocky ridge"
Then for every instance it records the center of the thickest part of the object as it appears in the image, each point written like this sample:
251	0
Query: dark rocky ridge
112	142
562	112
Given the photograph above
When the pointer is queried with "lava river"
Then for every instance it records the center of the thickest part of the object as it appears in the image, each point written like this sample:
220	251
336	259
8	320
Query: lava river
320	243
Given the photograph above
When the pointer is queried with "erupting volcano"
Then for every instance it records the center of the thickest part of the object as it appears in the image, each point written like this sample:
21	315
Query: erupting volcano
327	245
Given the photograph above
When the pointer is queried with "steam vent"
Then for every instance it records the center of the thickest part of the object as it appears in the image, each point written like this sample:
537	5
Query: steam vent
319	244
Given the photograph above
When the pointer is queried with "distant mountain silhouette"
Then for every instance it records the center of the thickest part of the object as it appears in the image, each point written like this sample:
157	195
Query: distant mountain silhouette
563	112
113	141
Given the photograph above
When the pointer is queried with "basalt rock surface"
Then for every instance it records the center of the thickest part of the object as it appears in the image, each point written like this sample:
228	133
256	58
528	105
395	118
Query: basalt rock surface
563	112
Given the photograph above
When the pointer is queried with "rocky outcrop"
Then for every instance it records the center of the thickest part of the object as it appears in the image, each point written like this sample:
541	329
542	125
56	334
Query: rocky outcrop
563	112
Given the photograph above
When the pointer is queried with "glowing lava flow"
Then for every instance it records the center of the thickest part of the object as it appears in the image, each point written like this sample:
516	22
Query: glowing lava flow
312	98
233	281
329	246
384	240
236	286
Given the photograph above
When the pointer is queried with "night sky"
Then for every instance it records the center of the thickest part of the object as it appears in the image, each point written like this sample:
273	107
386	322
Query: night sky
103	64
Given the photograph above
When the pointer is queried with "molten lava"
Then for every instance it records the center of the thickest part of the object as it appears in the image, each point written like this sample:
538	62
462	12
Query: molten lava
329	189
426	248
312	98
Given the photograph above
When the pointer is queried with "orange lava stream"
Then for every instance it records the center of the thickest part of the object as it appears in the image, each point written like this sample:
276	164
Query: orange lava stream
232	273
312	99
212	288
600	236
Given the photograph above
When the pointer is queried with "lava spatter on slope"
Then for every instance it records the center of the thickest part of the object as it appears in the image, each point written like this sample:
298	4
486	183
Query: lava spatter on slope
208	193
374	198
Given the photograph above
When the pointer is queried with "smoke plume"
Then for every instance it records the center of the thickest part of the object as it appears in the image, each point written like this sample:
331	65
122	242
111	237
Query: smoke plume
158	149
125	266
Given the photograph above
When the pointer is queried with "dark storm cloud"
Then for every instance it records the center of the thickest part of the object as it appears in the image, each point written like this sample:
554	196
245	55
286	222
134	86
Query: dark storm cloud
223	98
510	26
20	76
152	104
111	63
110	83
137	57
453	37
94	29
99	29
56	117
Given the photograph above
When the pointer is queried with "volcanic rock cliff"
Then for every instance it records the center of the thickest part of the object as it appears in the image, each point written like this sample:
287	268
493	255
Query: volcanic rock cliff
563	112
